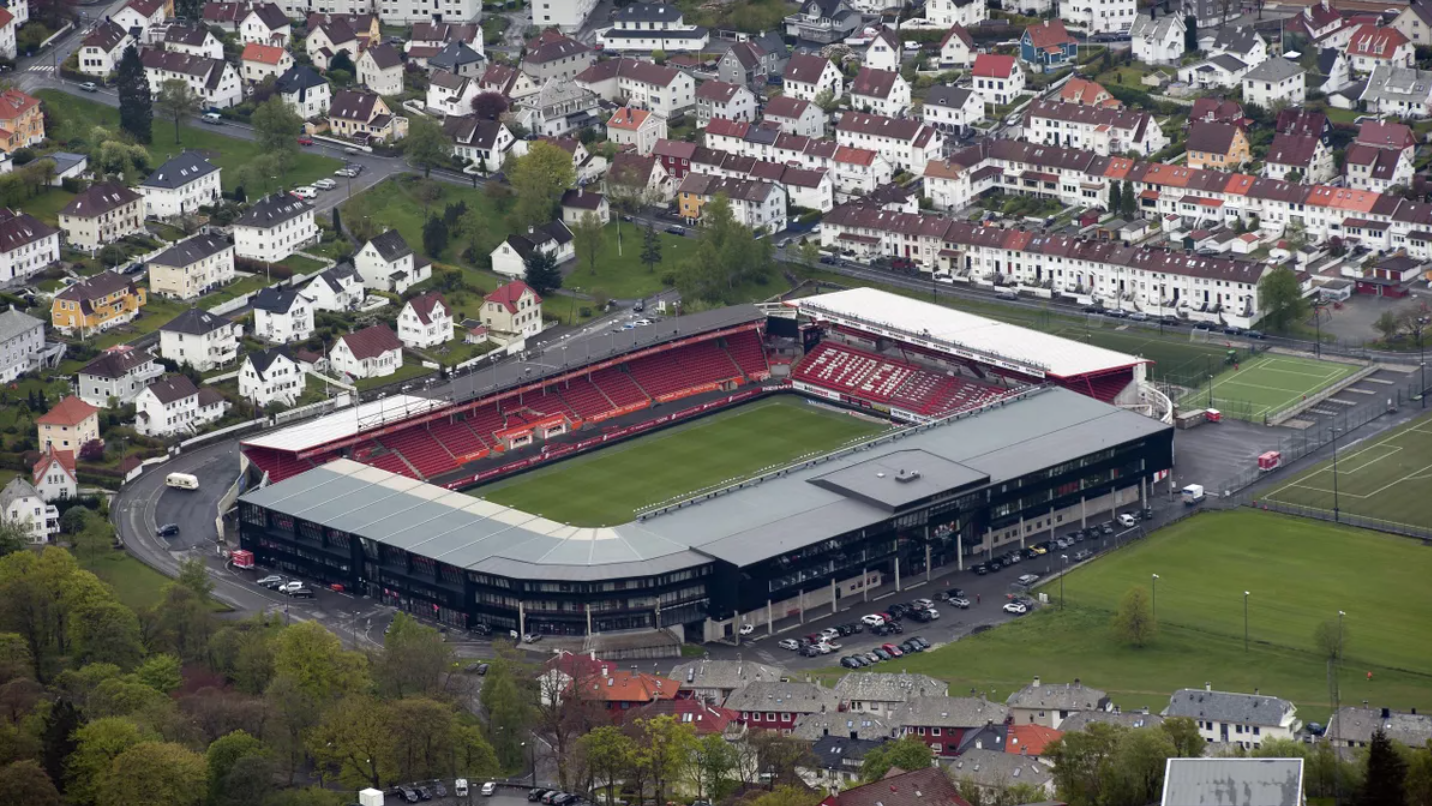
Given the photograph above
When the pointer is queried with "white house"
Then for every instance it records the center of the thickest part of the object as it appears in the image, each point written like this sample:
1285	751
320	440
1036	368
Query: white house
513	311
27	245
1246	720
884	51
957	49
808	75
380	69
881	92
192	40
102	48
952	109
510	256
1100	16
483	143
1333	66
373	352
22	505
180	186
142	14
1373	46
450	94
1305	154
274	227
118	374
215	81
577	203
1105	131
266	24
399	12
260	61
282	315
1275	83
328	39
906	144
644	27
998	79
8	28
721	99
965	13
54	476
761	206
1223	71
386	263
337	288
173	405
425	321
191	268
636	128
662	90
1380	157
795	116
568	15
1399	91
305	91
200	339
22	341
272	376
1159	41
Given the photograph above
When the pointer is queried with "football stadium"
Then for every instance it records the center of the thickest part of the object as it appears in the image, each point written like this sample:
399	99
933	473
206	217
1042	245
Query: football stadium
742	464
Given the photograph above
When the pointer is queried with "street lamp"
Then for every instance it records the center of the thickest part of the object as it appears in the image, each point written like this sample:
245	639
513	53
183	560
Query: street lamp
1155	599
1336	517
1061	580
1245	622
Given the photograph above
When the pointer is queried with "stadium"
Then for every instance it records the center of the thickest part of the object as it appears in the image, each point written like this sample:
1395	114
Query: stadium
953	437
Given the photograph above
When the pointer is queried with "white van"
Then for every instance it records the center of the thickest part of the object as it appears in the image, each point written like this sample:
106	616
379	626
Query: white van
1128	521
182	481
213	118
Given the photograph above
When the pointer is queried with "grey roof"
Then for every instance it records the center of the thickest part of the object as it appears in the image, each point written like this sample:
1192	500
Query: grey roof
1228	62
453	56
116	364
391	246
1357	724
296	78
190	251
951	97
195	322
1398	84
1158	29
18	488
15	323
1059	697
808	698
1275	70
809	727
65	161
1327	60
647	12
1237	40
275	300
998	769
949	712
1225	706
888	687
1233	782
1081	720
834	752
270	211
723	674
263	359
180	171
334	275
990	737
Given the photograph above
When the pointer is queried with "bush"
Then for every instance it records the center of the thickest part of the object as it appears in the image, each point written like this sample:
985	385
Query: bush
22	156
73	184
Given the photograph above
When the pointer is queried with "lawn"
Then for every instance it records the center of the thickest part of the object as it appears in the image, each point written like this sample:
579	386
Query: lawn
244	285
301	264
135	584
156	311
1299	573
623	276
1256	387
79	116
1388	478
409	370
46	206
392	204
609	486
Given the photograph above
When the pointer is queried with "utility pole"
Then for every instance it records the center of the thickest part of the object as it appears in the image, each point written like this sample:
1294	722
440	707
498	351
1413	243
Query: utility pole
1245	621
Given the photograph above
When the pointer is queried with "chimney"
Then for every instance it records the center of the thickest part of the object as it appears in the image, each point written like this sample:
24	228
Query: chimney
531	229
1036	681
1255	691
1207	686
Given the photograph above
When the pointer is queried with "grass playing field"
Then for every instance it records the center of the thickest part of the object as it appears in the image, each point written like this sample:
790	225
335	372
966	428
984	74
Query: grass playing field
1388	477
1298	573
609	486
1264	385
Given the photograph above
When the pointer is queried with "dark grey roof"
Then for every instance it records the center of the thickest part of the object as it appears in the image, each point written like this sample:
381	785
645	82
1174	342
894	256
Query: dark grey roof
1241	39
117	364
951	97
1224	706
797	697
275	300
188	252
1327	60
271	211
453	56
391	246
1275	69
264	359
195	322
887	687
648	12
296	78
1233	782
385	56
1228	62
333	276
1059	697
15	323
998	769
835	752
173	387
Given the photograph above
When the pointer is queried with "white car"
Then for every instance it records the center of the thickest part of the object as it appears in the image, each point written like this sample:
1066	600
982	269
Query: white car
933	613
789	643
1128	521
747	629
1028	579
325	184
923	604
290	587
826	647
305	192
872	620
1016	608
489	789
531	637
829	634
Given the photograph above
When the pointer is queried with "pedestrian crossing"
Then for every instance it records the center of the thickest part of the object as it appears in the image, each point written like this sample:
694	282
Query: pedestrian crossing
42	68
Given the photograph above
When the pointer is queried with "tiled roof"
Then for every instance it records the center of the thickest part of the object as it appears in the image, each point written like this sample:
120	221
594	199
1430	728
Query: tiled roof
70	411
634	69
114	364
997	769
106	36
96	200
703	718
784	106
581	199
1290	149
427	305
263	54
720	92
927	787
1374	42
620	685
21	229
907	130
270	211
1029	739
723	674
189	35
99	285
1048	34
1223	706
948	712
887	687
628	118
805	68
550	45
298	77
874	83
385	56
1273	70
958	32
171	388
185	63
353	105
1386	135
371	342
196	322
262	360
180	171
990	65
65	459
509	295
1211	138
1300	121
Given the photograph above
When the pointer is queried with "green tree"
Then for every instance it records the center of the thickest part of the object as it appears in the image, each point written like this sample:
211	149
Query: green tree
223	753
422	734
107	632
809	251
57	739
248	783
26	782
1133	622
509	703
727	254
713	768
658	56
542	272
14	536
1183	732
539	178
827	101
650	247
1386	774
177	102
314	659
909	753
150	773
189	9
1281	300
1081	762
1127	202
1190	34
609	753
355	741
1138	767
472	755
426	146
97	745
1331	639
342	60
1418	783
414	660
435	236
587	239
136	110
277	128
1116	196
163	673
664	749
194	575
787	795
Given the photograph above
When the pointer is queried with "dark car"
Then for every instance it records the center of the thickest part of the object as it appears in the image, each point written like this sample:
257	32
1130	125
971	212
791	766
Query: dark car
995	564
551	796
952	593
1006	295
534	795
922	616
302	593
563	799
849	663
675	230
809	651
1146	514
439	789
408	794
980	569
1254	334
1202	326
1107	528
167	530
425	793
829	261
882	654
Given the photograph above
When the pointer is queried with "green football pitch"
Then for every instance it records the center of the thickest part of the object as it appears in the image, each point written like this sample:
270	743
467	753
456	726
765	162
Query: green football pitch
1263	385
609	486
1386	478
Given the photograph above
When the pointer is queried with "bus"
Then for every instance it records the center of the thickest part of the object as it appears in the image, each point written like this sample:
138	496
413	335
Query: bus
182	481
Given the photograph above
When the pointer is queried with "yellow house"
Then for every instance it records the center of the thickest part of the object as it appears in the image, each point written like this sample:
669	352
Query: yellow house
96	304
1222	146
68	426
21	121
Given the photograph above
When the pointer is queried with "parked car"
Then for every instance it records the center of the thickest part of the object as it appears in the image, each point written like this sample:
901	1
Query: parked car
675	230
213	118
1016	608
533	795
789	643
290	586
270	581
980	569
325	184
301	593
747	628
809	651
1082	554
892	649
873	620
850	663
952	593
305	140
531	637
425	793
1007	295
167	530
488	789
881	653
408	794
959	601
1126	520
1028	579
305	192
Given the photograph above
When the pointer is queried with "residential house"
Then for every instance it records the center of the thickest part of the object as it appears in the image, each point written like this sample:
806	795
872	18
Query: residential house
512	312
1105	131
200	339
102	48
885	51
266	24
1240	781
173	405
21	121
460	59
1216	110
1224	71
215	81
1398	91
755	204
27	245
578	203
450	93
337	288
380	69
102	214
923	787
180	186
674	157
118	375
1381	156
809	76
54	476
282	315
1029	739
483	143
1102	17
906	144
373	352
425	321
993	772
559	108
1083	92
1317	20
388	264
510	256
1048	45
427	39
398	12
998	79
811	727
69	426
1081	720
1334	72
193	40
719	99
1299	158
1048	704
749	64
774	705
1354	726
192	267
1373	46
645	27
67	165
964	13
712	681
957	49
274	227
22	342
619	691
881	92
20	10
329	38
551	55
1414	21
364	117
305	91
21	505
1274	84
1241	41
665	91
884	693
637	129
1220	146
941	722
568	15
509	82
642	176
823	22
144	15
1242	719
834	762
96	304
1159	41
272	376
793	116
259	61
703	718
858	171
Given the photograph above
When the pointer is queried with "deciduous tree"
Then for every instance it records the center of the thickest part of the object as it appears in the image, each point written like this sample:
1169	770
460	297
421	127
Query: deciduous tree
587	239
610	754
1133	622
414	660
1281	300
539	178
107	632
1183	732
650	247
178	102
426	146
97	745
154	772
909	753
489	105
277	128
26	782
355	741
223	753
314	659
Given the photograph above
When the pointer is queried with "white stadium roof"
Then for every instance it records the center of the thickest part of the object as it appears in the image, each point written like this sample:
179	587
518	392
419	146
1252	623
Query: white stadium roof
961	333
345	423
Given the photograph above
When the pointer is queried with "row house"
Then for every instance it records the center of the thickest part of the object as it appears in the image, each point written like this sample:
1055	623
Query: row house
200	339
809	76
192	268
883	693
1217	144
906	144
102	214
117	376
812	188
173	405
942	722
795	116
27	245
663	90
272	376
180	186
776	705
760	206
645	27
551	55
719	99
215	81
1105	131
274	227
1380	156
1299	157
882	92
854	171
102	48
22	342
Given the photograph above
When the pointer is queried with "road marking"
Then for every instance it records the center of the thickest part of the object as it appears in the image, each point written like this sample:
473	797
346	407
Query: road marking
42	68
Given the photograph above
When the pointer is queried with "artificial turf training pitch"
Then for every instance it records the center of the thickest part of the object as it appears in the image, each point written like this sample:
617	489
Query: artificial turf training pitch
1265	385
609	486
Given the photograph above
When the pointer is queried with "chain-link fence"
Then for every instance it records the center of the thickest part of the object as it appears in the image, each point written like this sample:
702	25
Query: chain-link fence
1360	521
